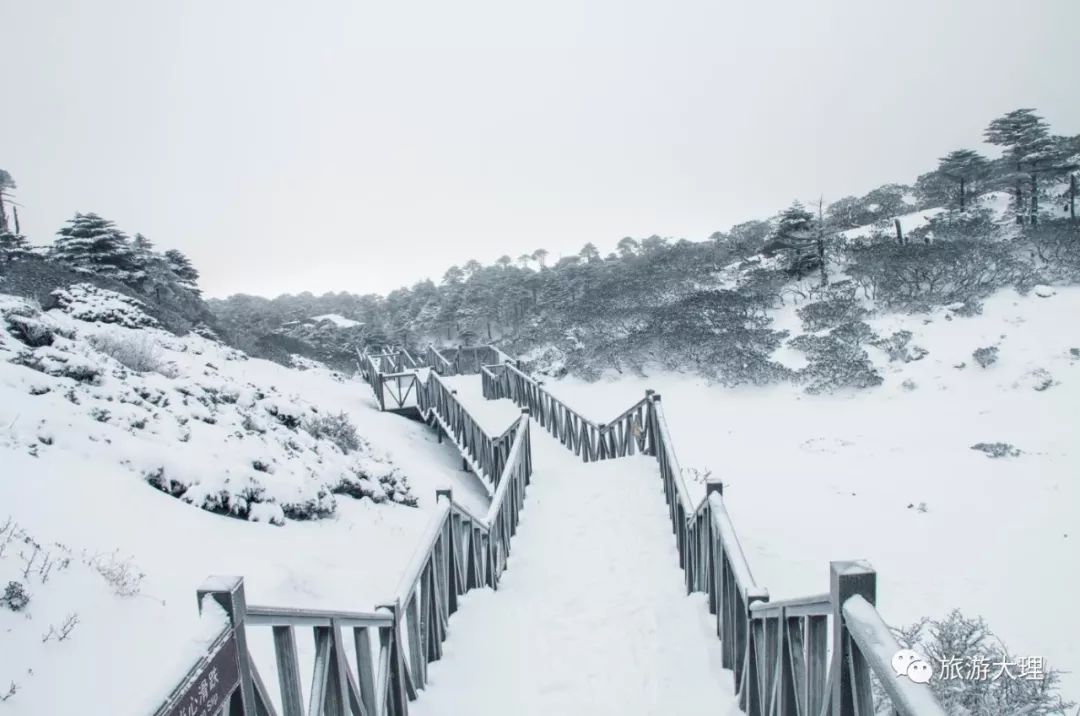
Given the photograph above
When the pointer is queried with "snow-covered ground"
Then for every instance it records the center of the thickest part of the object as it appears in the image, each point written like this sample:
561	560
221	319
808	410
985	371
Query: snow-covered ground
102	551
888	474
592	615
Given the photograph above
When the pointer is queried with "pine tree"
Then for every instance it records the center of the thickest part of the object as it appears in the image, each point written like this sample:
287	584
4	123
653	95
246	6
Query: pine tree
968	169
92	243
12	246
1025	136
795	237
180	265
589	252
627	247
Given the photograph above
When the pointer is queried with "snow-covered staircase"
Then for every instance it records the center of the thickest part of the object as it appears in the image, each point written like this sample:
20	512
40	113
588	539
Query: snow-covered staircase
590	619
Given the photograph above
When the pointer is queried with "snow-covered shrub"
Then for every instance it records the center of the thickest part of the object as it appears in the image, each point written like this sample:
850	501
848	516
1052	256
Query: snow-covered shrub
136	351
963	648
546	360
898	347
87	302
837	359
918	276
120	573
995	450
288	414
338	429
1057	246
29	330
1038	379
830	313
986	356
315	507
15	597
720	333
51	361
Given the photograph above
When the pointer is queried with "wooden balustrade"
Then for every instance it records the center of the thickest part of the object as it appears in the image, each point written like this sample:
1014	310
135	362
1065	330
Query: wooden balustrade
393	645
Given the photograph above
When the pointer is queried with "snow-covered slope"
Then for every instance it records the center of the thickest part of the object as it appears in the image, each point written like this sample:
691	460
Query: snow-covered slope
103	469
889	473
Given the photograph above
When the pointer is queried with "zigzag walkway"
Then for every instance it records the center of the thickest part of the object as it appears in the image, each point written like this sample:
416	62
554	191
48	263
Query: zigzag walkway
591	616
594	616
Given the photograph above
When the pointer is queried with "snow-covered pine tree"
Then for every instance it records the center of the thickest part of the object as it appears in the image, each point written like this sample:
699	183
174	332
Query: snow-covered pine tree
186	274
796	238
94	244
1025	137
967	169
12	246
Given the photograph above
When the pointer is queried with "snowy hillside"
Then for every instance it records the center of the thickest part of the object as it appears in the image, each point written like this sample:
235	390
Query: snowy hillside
135	463
956	477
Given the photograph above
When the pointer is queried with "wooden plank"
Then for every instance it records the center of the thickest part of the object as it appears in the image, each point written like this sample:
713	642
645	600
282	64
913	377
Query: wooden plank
288	668
365	667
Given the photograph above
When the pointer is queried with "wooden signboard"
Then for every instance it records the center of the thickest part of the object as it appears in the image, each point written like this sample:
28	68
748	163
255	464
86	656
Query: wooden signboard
209	687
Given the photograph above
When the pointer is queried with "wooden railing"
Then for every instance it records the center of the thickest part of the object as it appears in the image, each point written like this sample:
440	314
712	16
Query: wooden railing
393	644
779	652
624	435
484	454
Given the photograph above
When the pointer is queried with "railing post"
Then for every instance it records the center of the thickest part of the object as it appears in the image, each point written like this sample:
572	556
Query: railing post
712	486
846	579
396	698
228	592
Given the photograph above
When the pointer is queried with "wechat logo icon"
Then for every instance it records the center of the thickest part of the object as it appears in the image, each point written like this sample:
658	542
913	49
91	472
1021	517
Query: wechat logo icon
913	665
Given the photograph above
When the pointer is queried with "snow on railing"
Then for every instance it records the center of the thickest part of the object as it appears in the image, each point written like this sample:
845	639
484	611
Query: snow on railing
392	645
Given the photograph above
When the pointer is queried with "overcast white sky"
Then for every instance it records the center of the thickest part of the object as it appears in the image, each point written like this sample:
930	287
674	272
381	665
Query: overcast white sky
346	145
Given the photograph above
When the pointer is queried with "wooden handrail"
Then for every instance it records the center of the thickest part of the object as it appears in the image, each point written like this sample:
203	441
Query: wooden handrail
816	605
877	645
292	616
733	548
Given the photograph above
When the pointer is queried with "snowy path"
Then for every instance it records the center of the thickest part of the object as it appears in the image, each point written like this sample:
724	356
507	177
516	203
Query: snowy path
592	615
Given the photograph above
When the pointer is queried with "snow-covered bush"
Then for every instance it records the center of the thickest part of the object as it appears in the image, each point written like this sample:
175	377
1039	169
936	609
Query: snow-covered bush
985	356
29	330
918	276
120	573
996	450
1038	379
720	333
136	351
830	313
87	302
338	429
898	347
60	363
837	359
15	597
977	673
